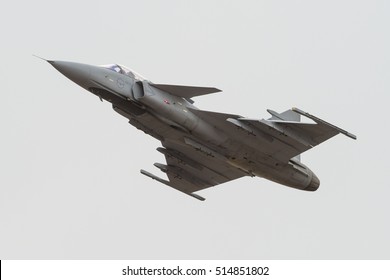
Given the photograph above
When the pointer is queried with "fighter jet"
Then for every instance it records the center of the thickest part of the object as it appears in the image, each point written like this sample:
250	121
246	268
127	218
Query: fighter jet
203	148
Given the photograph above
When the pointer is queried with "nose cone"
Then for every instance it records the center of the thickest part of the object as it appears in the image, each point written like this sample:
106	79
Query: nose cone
77	72
314	184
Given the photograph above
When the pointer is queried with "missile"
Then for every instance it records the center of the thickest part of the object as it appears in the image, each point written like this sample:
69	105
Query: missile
167	183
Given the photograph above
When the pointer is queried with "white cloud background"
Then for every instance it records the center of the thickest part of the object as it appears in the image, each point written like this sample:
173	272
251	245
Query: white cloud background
70	186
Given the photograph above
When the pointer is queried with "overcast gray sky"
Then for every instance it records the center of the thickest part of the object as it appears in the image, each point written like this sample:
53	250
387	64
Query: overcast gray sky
70	186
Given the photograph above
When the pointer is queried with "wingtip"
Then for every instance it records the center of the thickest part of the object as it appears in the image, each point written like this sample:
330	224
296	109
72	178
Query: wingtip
350	135
201	198
318	120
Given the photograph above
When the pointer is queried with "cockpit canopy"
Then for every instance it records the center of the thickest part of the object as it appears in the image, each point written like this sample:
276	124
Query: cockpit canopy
123	70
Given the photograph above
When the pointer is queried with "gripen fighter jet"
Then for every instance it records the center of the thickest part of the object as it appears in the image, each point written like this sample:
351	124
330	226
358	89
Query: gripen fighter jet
202	148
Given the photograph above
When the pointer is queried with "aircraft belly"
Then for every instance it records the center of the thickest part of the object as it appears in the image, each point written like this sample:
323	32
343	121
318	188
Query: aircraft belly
242	158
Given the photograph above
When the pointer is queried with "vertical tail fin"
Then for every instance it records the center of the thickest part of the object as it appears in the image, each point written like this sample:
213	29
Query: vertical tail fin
288	115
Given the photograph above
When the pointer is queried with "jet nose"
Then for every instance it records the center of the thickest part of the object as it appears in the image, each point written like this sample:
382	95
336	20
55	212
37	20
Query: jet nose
76	72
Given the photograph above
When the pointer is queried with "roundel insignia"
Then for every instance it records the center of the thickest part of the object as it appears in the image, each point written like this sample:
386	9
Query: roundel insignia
120	83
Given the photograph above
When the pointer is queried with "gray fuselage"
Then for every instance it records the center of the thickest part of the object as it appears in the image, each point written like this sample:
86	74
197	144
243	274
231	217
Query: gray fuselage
137	99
